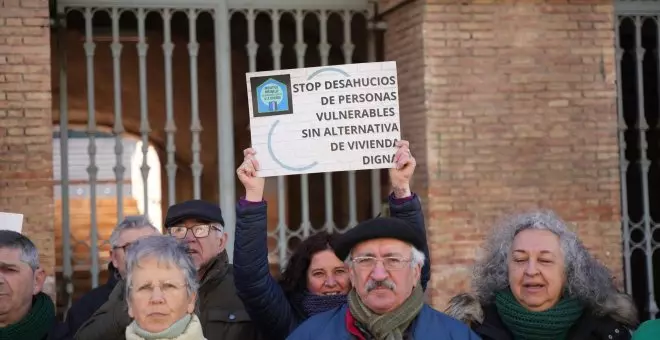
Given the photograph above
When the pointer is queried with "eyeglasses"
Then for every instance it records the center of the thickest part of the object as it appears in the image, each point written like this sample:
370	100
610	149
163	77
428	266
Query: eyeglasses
390	263
199	230
124	246
146	290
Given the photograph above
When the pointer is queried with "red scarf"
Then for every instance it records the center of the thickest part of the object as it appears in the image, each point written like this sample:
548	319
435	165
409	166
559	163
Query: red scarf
351	327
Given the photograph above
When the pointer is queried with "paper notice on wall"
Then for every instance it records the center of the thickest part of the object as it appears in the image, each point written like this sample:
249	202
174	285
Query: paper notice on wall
11	221
324	119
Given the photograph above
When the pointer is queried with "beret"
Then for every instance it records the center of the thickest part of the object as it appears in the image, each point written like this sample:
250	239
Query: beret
194	209
379	227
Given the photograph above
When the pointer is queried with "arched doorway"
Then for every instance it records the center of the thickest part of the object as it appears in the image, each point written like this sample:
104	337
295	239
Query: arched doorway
88	205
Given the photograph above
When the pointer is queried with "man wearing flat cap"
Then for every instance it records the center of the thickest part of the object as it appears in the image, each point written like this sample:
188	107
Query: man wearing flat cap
200	225
386	302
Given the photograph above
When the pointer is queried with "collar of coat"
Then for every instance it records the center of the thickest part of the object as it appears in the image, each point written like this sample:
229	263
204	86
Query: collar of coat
469	309
215	270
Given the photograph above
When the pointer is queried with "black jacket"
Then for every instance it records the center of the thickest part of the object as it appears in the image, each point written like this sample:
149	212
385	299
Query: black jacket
615	323
83	308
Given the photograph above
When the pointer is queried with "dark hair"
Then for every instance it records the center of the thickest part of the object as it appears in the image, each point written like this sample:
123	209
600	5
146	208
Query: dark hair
294	277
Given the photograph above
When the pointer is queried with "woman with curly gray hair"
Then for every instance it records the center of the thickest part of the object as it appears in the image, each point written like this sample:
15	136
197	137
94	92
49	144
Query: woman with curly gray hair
537	281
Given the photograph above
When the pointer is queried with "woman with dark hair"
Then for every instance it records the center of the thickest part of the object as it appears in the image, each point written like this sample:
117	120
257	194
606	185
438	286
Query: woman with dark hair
314	280
295	278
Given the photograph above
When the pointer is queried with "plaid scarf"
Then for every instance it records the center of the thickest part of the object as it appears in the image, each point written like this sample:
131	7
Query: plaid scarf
390	326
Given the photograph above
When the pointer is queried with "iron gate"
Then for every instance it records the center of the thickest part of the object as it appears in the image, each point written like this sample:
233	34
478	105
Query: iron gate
117	132
637	46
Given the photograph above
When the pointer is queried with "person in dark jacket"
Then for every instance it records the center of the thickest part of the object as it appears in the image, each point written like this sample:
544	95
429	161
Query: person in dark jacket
25	311
130	229
84	308
95	315
386	301
538	281
223	317
314	280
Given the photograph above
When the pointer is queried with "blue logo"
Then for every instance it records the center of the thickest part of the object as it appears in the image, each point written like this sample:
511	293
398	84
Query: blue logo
271	95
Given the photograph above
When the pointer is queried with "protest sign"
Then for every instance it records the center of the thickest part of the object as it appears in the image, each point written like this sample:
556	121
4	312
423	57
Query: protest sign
11	221
324	119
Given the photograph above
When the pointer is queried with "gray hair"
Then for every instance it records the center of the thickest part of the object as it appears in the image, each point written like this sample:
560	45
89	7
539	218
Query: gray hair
417	258
586	278
130	222
14	240
165	249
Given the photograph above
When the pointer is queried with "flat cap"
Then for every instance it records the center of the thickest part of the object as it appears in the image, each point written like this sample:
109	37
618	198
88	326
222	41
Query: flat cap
379	227
194	209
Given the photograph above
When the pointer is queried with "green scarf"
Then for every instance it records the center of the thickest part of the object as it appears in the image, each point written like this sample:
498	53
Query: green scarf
36	324
392	325
552	324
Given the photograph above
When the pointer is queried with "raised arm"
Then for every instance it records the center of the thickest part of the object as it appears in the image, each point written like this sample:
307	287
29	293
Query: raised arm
262	296
406	205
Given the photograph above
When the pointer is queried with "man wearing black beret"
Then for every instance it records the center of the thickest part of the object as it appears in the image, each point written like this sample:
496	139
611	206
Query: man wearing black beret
386	302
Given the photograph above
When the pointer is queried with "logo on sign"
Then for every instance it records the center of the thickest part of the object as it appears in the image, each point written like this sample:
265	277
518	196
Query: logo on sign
271	95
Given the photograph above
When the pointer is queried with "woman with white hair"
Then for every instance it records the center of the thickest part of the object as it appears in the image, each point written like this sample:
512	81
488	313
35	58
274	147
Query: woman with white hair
537	281
161	291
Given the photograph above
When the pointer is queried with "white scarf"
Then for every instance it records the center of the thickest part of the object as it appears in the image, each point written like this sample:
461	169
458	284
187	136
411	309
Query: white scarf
188	328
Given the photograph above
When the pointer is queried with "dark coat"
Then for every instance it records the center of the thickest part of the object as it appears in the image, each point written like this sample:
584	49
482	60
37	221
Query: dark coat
613	322
109	322
263	297
84	308
220	311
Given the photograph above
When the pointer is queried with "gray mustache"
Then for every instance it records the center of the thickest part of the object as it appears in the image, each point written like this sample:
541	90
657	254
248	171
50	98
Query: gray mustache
372	284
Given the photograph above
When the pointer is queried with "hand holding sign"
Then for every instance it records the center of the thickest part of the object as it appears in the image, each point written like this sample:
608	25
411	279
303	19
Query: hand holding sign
247	174
403	170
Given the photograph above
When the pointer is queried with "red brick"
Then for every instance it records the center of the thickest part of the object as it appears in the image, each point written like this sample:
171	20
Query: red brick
490	102
36	20
11	3
33	3
25	125
11	21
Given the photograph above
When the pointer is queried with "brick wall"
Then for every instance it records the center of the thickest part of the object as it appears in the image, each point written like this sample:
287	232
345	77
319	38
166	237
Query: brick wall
25	121
518	112
404	44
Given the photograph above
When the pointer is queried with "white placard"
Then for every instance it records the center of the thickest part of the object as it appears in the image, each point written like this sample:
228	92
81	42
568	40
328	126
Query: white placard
11	221
324	119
